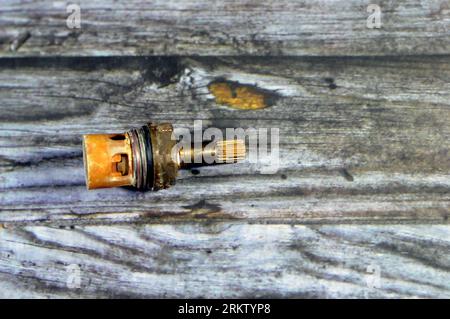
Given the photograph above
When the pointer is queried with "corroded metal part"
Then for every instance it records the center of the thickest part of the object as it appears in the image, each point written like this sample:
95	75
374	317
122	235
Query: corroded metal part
107	160
165	165
147	158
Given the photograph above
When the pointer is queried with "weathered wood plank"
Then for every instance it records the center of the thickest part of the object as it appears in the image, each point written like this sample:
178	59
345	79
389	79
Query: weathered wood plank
361	140
226	260
163	27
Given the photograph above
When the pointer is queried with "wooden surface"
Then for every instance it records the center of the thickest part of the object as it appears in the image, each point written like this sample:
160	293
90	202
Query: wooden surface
169	27
372	148
362	140
358	208
226	260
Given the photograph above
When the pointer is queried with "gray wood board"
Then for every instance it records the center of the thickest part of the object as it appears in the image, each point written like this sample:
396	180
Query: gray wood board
307	27
361	139
225	260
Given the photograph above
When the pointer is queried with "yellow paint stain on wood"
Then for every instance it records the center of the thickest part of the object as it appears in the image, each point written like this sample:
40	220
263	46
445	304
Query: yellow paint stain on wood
239	96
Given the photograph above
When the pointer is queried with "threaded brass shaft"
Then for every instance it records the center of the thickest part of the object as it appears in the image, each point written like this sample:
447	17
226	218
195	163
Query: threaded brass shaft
218	152
230	151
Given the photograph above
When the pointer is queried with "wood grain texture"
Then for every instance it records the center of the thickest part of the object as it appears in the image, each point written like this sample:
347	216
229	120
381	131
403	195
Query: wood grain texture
361	139
226	260
250	27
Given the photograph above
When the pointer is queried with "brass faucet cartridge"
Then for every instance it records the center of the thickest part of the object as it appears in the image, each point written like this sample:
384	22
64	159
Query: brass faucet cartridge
143	157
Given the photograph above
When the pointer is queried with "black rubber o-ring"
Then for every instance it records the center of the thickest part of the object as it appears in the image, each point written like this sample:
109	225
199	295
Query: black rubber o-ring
149	153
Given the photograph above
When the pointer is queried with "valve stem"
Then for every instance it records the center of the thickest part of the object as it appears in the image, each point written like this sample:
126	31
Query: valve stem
230	151
143	157
218	152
